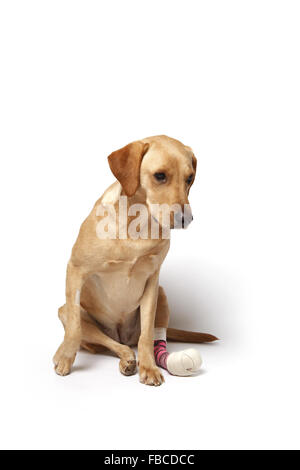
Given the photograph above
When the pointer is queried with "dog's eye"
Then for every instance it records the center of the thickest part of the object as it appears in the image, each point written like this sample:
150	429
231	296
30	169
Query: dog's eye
160	177
190	179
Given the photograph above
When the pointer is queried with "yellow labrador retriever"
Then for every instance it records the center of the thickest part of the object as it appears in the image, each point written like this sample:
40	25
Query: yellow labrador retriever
113	297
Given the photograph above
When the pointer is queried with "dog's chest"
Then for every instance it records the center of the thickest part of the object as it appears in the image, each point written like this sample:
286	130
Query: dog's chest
124	281
128	269
115	291
130	259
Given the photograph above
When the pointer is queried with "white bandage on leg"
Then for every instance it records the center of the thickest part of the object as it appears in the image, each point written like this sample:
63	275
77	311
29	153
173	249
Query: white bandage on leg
160	334
184	363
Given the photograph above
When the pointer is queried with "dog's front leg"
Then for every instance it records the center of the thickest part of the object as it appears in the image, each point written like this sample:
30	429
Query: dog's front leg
149	372
66	353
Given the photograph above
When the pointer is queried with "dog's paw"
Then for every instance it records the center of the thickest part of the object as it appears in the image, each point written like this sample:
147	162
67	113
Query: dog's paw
127	366
150	376
62	363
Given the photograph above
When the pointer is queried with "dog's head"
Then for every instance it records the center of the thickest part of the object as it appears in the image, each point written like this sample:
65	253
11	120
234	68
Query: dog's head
161	168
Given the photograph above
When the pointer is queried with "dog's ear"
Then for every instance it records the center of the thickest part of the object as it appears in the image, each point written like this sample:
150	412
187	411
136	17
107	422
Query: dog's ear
194	159
125	165
194	163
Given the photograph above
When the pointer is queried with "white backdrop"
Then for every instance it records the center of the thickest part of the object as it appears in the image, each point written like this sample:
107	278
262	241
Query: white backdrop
80	79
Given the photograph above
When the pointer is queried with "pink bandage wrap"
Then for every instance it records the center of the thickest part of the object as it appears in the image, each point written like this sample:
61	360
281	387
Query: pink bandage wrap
160	353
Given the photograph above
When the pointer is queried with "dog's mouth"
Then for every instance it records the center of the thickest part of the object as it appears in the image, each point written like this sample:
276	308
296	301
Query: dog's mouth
156	221
170	226
172	220
160	224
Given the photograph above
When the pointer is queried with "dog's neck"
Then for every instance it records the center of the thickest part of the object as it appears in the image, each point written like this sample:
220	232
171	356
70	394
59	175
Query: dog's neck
132	207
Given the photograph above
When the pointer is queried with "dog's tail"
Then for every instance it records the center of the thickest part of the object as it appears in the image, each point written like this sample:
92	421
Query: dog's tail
189	336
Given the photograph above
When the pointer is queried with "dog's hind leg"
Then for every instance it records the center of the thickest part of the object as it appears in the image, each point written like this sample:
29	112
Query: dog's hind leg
93	338
92	348
95	341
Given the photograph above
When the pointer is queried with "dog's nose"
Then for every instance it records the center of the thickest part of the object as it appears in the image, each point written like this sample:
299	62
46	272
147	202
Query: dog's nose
182	220
179	219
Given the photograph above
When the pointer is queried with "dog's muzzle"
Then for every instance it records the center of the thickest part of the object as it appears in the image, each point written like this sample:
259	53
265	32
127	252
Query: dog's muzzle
182	220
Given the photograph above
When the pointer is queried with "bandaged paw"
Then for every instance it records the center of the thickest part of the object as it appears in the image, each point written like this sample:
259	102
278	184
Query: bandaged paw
184	363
